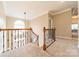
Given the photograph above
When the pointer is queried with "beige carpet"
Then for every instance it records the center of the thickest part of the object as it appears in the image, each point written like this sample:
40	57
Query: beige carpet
63	47
29	50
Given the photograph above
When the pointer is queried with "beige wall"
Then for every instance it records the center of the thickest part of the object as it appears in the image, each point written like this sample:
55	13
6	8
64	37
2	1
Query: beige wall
11	20
2	14
37	25
63	22
2	17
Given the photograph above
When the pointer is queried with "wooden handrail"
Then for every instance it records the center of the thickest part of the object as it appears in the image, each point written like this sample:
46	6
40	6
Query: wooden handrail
44	42
34	33
16	29
36	36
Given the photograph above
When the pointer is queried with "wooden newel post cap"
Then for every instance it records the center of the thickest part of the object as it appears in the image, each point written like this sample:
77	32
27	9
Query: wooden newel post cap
44	46
44	27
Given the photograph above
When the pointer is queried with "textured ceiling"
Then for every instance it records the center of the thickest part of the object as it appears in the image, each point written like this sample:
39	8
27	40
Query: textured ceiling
35	8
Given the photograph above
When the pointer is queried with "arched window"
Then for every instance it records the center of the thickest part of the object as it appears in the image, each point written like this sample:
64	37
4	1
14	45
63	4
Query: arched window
19	24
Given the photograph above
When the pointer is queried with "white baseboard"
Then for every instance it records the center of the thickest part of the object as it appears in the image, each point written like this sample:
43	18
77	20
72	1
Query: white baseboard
64	37
78	45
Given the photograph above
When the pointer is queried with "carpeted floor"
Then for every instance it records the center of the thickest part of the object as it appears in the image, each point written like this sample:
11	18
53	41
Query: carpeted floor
63	48
60	48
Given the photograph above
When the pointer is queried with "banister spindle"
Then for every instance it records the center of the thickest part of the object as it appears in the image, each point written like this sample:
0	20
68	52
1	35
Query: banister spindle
14	36
25	36
3	42
8	39
18	38
38	40
11	39
15	40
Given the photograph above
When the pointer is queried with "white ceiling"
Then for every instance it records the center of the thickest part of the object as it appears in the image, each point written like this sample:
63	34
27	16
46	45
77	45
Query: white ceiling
35	8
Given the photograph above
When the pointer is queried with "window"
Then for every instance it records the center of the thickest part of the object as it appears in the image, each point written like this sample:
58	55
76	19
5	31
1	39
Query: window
19	24
74	27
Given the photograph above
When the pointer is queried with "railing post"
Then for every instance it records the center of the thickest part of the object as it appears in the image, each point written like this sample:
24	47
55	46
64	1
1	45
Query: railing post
31	35
44	45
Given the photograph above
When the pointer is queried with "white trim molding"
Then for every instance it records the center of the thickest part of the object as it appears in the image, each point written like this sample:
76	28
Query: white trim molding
63	37
61	11
44	13
78	45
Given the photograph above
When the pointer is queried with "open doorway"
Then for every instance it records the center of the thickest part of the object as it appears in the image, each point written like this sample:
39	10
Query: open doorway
74	25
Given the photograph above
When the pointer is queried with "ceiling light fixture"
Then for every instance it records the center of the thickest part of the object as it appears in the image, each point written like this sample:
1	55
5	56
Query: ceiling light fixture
62	1
27	23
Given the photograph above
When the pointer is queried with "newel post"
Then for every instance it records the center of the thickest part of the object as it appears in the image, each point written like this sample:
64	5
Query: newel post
44	45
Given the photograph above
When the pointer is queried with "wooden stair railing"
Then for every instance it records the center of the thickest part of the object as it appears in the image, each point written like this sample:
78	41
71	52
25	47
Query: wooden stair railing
16	38
52	37
35	38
